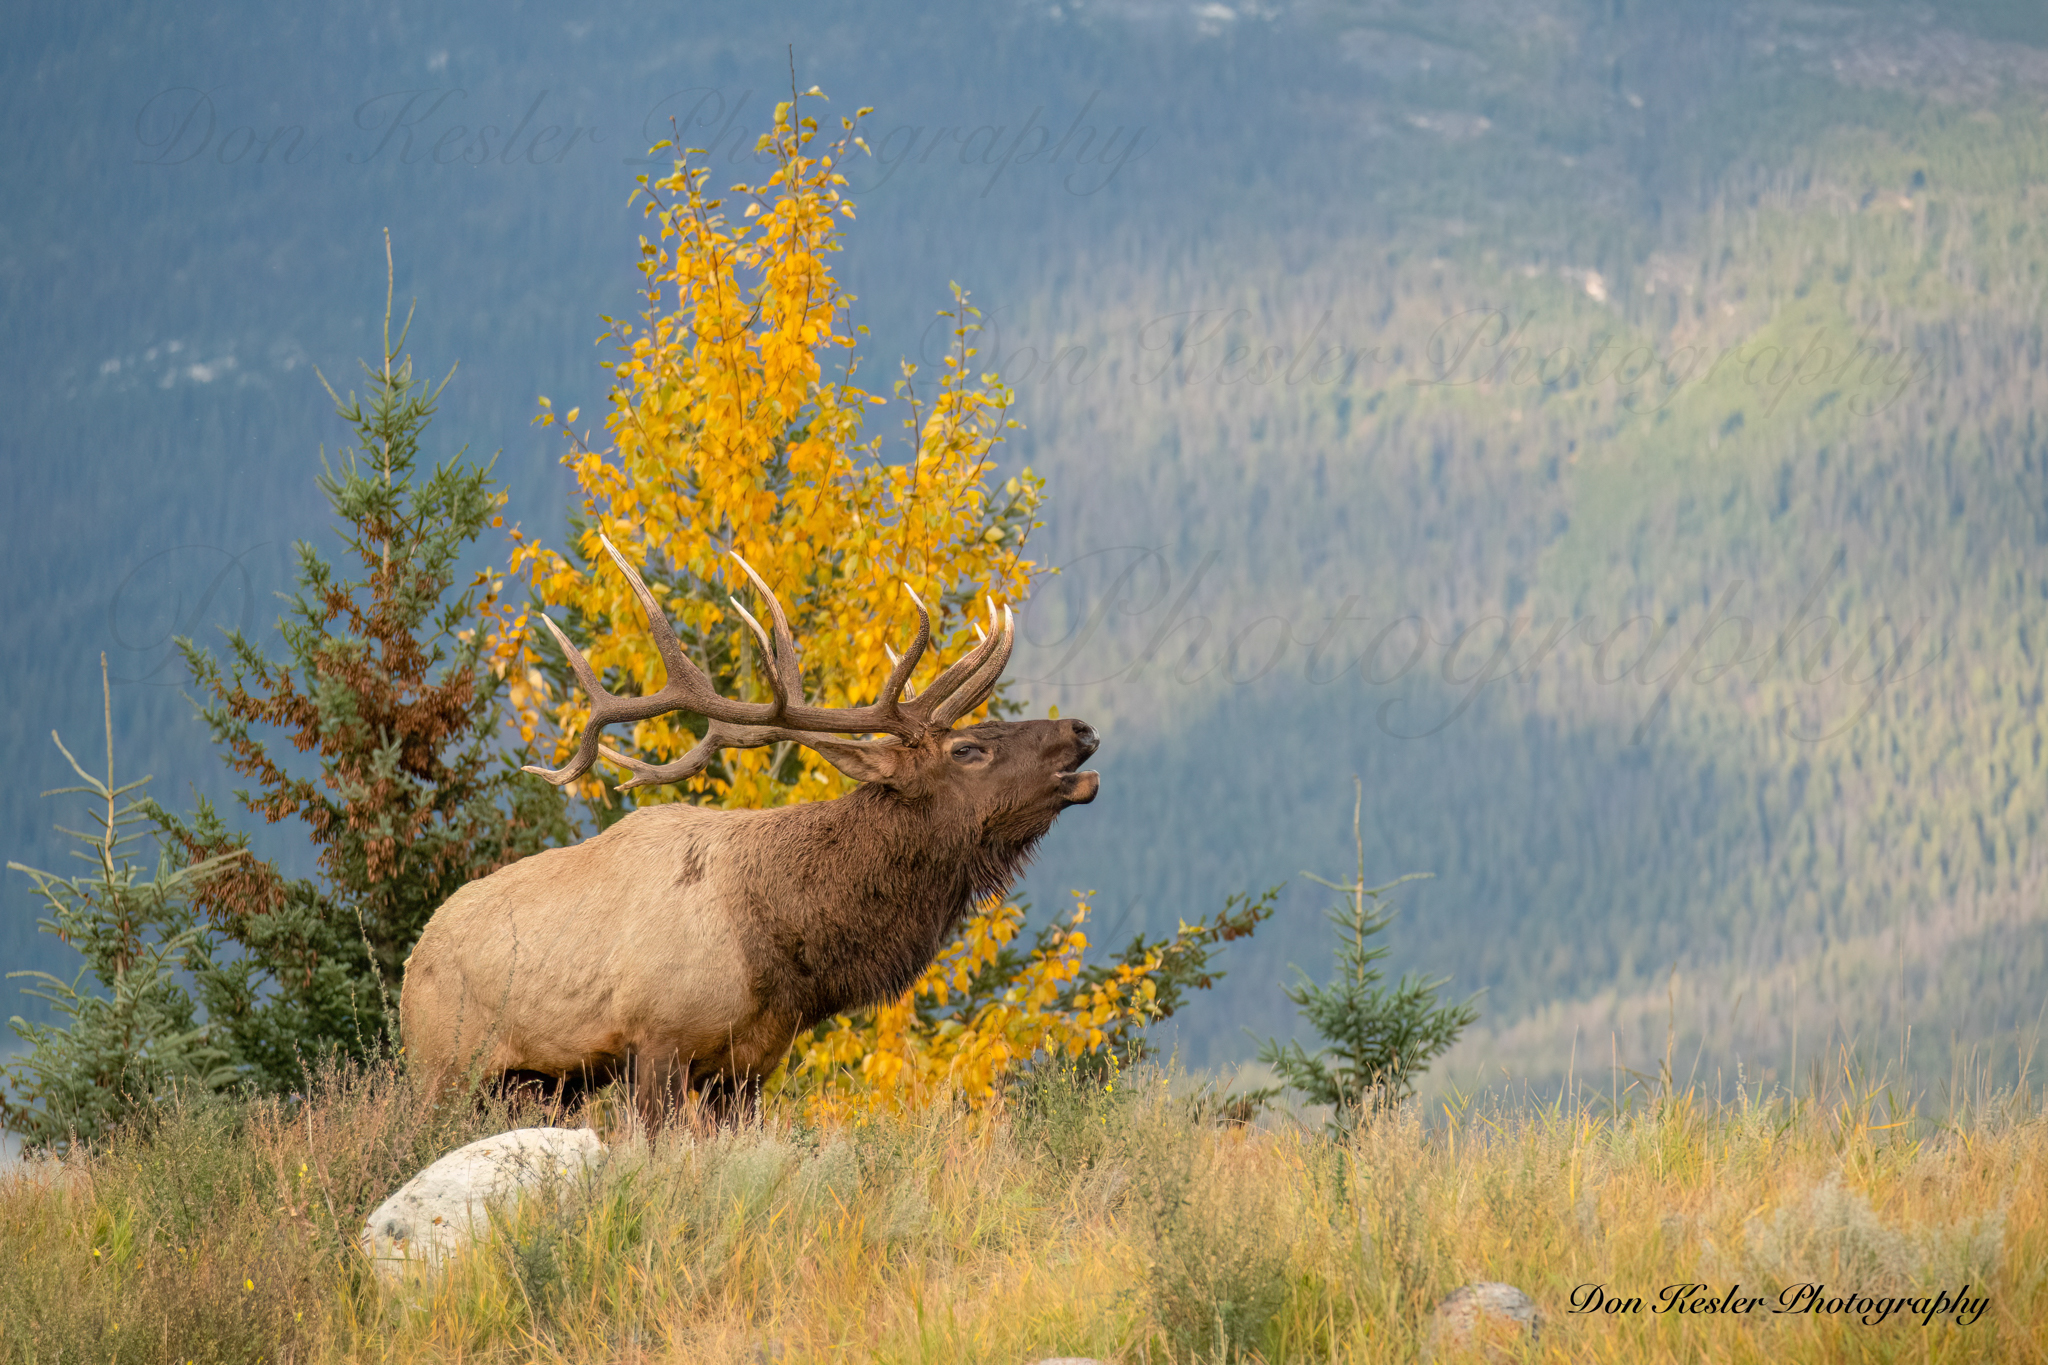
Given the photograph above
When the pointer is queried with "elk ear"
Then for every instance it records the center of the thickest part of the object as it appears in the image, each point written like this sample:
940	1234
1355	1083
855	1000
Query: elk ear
862	760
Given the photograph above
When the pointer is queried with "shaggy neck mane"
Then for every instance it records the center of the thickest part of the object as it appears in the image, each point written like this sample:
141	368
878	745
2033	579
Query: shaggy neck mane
871	885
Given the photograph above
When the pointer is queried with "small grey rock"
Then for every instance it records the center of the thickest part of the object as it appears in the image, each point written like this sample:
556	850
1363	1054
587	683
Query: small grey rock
1497	1319
445	1205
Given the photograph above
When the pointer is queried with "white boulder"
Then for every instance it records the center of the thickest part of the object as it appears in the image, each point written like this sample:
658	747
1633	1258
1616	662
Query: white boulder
448	1203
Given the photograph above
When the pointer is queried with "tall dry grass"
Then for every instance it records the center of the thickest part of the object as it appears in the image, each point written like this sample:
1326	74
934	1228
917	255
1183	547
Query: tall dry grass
1118	1224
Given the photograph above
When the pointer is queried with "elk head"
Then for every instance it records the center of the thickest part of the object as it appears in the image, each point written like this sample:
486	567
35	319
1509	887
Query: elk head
1009	778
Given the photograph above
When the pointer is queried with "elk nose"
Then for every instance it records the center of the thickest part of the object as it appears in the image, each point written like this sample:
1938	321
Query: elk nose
1084	737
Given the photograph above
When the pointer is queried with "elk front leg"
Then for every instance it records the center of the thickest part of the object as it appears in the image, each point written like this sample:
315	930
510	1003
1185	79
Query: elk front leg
659	1082
730	1098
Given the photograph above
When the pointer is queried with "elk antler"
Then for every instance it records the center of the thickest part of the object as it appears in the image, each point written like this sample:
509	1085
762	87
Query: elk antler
745	725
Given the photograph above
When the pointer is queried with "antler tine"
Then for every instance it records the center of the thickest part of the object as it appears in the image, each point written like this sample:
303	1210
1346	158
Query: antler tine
688	689
985	678
909	693
899	676
963	668
671	649
586	752
782	658
775	682
717	735
649	775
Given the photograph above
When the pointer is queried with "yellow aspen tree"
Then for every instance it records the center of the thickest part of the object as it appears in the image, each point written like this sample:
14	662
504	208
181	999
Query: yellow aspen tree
944	1040
735	423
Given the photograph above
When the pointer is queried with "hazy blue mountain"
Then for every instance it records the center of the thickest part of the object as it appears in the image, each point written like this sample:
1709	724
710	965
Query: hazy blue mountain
1695	351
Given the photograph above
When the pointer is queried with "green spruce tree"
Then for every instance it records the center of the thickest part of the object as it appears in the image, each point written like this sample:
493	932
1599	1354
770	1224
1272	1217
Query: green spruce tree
386	685
136	1034
1378	1041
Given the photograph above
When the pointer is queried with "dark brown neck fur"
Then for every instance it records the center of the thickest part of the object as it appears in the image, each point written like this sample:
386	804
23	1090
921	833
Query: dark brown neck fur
849	900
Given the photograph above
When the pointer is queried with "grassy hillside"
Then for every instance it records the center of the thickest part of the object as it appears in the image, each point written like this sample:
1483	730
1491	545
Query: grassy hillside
1112	1225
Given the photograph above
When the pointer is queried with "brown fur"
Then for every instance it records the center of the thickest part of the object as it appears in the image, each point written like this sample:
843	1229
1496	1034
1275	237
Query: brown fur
686	948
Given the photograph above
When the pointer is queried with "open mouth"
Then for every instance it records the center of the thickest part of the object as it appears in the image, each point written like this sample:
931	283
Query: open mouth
1078	789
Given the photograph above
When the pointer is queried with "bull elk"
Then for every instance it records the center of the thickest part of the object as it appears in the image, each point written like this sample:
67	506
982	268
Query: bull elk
684	949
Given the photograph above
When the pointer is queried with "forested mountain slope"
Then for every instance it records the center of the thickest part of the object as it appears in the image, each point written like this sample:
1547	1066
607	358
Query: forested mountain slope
1610	431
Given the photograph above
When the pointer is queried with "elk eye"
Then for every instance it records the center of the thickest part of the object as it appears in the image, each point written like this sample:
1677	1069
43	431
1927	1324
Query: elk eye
968	753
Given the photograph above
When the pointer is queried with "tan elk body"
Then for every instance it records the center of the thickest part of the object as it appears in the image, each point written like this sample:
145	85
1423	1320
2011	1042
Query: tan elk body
685	948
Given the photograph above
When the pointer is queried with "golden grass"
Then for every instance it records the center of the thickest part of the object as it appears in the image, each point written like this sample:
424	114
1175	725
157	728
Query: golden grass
1114	1225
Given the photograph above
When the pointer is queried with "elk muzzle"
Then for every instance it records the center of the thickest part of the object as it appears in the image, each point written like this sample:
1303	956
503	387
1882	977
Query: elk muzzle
1078	788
